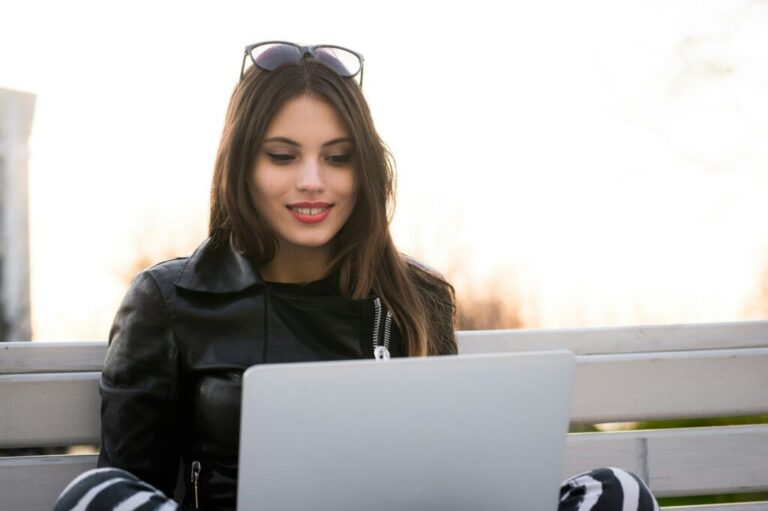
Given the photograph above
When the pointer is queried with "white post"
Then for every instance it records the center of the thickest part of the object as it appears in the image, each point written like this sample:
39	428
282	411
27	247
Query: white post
16	111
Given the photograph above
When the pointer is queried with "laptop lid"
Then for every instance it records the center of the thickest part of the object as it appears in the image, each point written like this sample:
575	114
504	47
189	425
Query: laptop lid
480	432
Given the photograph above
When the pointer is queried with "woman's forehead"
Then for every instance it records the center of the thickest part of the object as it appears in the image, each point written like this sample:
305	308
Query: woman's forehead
307	119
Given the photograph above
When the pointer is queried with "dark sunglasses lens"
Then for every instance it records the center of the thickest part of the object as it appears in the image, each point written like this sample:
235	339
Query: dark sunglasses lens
343	62
271	56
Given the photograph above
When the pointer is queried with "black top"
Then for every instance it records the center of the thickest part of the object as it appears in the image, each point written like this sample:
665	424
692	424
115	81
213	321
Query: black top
322	287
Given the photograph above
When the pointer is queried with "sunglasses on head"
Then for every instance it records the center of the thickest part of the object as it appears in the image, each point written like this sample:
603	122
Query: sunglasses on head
270	55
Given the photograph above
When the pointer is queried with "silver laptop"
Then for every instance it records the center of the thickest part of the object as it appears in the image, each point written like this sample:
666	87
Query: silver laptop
466	432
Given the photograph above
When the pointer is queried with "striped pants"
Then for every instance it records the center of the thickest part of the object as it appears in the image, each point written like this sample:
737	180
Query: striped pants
112	489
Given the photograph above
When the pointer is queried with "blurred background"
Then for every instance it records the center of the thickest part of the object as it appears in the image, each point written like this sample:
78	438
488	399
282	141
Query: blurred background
564	164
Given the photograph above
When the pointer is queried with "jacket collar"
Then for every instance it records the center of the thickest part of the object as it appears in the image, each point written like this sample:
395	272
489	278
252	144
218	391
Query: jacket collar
219	269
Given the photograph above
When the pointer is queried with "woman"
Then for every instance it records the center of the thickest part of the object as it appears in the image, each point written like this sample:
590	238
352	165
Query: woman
299	266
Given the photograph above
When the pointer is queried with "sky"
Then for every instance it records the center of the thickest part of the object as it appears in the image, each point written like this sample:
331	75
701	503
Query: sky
603	163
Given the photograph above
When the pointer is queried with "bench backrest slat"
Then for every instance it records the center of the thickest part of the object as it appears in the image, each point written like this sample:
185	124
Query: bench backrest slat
674	385
63	408
51	357
639	339
742	506
57	357
33	483
56	409
689	461
694	462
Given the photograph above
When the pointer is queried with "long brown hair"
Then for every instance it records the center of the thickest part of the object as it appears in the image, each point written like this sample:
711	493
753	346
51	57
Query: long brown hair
421	301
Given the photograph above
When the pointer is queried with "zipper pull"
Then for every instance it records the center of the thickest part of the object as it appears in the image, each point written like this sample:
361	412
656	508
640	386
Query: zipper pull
381	353
196	480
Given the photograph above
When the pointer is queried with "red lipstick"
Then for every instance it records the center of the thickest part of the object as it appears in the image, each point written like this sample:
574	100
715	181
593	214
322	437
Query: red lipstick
310	212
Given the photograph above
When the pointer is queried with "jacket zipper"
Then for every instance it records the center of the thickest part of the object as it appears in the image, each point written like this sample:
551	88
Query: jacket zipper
196	481
381	352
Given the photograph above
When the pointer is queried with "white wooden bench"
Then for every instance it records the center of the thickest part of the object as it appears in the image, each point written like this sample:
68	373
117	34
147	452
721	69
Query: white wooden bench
49	397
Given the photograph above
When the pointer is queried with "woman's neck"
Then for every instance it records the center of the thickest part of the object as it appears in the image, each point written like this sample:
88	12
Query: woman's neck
293	266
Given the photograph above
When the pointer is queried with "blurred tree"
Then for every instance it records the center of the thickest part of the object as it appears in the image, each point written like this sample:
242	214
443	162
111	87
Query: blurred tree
488	310
159	237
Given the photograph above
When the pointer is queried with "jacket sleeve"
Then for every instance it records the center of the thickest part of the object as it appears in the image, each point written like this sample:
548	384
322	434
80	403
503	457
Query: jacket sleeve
139	389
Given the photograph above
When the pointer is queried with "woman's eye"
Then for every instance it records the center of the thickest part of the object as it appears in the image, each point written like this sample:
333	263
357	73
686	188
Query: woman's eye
340	158
280	157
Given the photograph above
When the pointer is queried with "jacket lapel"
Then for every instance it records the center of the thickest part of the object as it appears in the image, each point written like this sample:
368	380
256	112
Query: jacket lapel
218	269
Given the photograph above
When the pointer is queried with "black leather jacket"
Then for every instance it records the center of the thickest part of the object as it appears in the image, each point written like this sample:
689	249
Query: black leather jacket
180	341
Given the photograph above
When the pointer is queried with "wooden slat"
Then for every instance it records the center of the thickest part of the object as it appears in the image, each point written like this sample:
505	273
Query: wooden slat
635	339
744	506
694	461
33	483
677	462
63	408
654	386
25	357
51	357
49	409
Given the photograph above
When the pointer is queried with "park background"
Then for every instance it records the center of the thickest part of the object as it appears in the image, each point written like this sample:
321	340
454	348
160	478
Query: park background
565	164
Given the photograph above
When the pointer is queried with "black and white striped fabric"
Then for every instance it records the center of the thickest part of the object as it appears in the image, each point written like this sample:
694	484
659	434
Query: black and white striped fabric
112	489
606	489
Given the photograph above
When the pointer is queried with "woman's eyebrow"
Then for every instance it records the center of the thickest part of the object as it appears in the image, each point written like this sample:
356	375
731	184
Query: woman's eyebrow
338	141
288	141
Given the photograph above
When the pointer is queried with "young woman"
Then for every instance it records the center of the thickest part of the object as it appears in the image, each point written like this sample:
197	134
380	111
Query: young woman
299	266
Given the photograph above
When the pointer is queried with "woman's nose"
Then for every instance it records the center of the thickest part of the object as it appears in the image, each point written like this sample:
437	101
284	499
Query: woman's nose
310	176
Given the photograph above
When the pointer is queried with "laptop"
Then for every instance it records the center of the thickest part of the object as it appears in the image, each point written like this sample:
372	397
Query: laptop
461	432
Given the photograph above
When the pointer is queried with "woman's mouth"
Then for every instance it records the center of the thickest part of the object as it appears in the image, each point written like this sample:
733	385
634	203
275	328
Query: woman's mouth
310	213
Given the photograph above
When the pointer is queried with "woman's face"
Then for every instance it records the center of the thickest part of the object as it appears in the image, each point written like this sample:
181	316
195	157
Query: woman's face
303	182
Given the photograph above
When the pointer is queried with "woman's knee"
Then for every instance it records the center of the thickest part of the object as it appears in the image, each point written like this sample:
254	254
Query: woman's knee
106	488
606	489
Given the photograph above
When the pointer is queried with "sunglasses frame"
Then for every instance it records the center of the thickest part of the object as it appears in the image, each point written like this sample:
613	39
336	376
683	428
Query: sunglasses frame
305	50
